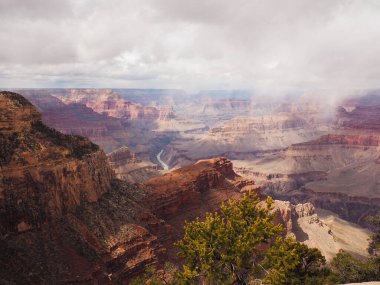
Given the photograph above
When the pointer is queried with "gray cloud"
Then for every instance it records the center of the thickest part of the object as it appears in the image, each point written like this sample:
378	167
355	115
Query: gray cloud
190	44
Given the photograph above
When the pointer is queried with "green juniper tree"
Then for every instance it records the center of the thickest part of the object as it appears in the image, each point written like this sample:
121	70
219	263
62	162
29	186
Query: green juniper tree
226	247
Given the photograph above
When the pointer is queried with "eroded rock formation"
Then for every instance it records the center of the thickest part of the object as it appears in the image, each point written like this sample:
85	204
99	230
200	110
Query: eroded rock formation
188	192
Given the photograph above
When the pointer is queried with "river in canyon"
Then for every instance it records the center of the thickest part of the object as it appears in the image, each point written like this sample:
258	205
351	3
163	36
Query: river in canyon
163	164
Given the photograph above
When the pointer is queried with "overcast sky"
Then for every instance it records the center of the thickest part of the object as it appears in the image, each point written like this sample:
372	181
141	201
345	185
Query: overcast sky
190	44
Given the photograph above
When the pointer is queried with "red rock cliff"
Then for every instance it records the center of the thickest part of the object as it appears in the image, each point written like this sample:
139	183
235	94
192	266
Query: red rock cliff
189	192
63	217
43	168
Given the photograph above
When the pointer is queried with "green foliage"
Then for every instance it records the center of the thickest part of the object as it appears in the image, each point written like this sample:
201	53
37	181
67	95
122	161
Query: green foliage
228	246
374	246
349	269
152	276
290	262
241	243
78	146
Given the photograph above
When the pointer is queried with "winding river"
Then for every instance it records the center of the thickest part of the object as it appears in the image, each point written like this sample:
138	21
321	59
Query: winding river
163	164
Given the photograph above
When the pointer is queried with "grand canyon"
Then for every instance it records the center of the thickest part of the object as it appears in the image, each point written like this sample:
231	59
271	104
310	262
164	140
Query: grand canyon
173	142
95	187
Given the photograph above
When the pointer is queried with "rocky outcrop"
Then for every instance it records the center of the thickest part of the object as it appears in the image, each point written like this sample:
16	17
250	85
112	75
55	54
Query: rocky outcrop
188	192
304	210
17	115
288	214
129	168
44	169
284	215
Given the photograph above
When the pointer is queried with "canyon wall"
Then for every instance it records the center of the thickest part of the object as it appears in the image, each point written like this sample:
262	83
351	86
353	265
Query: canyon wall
337	171
64	218
242	135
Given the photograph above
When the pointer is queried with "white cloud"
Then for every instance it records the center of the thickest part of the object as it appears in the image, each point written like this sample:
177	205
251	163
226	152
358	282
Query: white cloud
190	44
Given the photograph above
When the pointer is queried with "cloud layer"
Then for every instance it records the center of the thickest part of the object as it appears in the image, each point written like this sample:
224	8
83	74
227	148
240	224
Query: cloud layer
200	44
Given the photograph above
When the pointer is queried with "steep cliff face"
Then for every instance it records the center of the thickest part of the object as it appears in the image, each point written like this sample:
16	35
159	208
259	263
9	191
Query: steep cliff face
64	219
44	169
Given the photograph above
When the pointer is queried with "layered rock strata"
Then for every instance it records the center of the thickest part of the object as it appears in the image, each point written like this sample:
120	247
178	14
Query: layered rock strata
64	218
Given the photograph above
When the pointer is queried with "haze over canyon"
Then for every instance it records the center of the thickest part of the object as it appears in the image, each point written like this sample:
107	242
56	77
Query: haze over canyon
189	142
